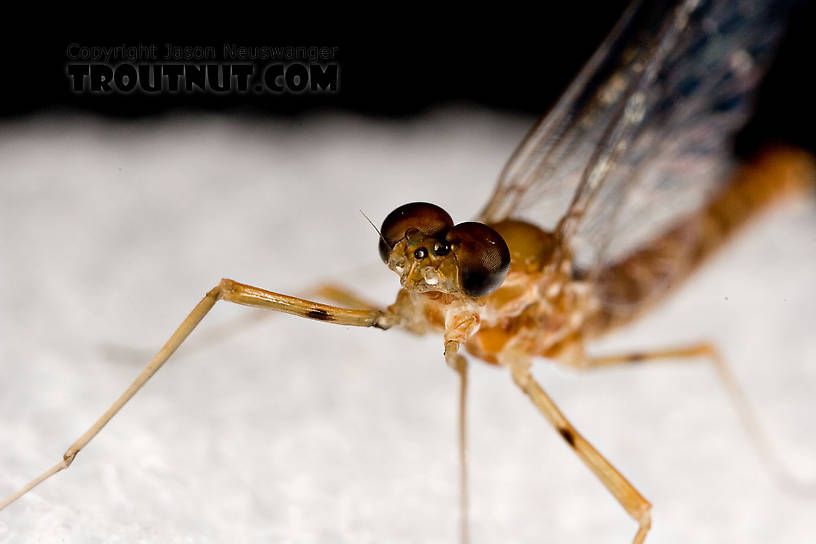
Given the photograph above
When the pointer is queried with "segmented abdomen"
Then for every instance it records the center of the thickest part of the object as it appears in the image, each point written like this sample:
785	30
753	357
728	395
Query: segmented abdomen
645	276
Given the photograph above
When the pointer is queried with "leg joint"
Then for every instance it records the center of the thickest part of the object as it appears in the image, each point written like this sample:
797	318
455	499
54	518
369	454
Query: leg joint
69	456
225	286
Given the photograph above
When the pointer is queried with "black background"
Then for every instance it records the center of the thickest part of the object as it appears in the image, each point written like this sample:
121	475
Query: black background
397	74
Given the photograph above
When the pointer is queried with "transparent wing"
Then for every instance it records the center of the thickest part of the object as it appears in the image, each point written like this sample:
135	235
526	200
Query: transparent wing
642	136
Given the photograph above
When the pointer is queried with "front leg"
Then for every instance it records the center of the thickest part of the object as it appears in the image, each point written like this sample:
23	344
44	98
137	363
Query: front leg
229	291
331	292
459	329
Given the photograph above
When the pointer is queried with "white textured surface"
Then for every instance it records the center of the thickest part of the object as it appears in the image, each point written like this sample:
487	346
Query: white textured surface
298	431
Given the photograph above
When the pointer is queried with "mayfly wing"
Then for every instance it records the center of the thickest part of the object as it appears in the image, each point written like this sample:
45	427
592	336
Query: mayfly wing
671	147
536	170
643	134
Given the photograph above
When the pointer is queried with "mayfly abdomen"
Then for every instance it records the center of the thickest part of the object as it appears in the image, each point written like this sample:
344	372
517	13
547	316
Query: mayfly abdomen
629	286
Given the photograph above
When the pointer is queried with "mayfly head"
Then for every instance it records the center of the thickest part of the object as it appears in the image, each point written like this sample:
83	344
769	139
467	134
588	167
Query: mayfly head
420	243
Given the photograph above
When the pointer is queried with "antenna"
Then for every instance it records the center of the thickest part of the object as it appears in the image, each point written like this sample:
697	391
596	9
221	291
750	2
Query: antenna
375	228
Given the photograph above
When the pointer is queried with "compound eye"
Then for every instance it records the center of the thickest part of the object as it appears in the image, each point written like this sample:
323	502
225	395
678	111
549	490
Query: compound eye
482	256
422	217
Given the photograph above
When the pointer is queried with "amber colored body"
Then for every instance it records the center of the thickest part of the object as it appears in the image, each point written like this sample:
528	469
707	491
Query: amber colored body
543	309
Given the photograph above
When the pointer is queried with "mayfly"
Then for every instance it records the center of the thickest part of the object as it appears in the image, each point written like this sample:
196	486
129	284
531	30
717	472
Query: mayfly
572	243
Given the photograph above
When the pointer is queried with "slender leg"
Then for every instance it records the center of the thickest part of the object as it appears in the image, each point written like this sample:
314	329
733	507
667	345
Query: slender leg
736	395
632	501
337	294
229	291
458	363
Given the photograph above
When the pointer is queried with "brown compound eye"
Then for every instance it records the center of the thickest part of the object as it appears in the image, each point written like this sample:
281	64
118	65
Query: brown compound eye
422	217
482	257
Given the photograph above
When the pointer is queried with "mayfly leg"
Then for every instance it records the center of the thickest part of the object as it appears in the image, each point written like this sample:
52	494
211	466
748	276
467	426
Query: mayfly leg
624	492
229	291
332	292
458	363
738	398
